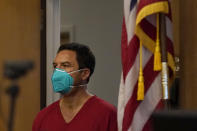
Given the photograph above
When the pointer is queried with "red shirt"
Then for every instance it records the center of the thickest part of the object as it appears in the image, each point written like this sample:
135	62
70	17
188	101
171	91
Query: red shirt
95	115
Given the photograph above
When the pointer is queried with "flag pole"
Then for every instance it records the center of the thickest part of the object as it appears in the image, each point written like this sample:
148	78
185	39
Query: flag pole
164	71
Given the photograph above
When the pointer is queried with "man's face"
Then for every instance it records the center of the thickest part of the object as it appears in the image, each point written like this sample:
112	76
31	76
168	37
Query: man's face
67	60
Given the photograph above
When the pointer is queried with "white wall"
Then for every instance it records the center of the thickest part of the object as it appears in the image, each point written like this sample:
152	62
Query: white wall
97	23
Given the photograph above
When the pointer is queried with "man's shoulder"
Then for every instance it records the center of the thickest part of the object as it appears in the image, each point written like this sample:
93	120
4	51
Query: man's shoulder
104	113
47	110
104	105
43	115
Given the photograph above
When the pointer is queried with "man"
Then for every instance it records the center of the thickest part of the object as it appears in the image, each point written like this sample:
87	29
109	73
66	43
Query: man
77	109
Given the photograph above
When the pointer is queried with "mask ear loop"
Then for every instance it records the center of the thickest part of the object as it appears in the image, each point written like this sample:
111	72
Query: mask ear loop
74	72
78	85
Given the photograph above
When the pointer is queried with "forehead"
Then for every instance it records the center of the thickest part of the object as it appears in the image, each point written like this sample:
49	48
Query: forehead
66	55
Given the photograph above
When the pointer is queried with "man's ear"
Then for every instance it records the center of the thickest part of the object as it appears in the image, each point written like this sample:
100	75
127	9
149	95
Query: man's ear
85	73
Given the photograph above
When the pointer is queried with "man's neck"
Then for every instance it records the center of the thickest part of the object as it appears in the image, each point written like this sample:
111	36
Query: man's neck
71	104
75	99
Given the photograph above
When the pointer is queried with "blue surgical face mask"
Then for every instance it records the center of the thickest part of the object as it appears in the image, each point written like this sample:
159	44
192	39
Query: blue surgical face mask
62	81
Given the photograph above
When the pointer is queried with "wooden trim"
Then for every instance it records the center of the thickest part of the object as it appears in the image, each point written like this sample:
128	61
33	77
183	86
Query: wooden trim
53	42
43	56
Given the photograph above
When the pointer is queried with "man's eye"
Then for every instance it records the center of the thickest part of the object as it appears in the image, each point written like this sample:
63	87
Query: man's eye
66	65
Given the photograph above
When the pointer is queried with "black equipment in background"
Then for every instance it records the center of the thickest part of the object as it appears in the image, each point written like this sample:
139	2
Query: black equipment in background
13	70
175	120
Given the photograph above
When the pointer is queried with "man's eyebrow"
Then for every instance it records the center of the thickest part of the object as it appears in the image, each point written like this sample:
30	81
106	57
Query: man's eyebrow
65	62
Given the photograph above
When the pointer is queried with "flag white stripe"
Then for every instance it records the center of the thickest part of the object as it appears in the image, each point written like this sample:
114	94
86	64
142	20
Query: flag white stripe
169	26
121	103
126	9
130	18
126	89
148	105
130	24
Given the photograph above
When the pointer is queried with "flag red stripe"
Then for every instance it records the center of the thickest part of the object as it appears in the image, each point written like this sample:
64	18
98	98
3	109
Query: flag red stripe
146	26
132	104
170	48
129	52
169	15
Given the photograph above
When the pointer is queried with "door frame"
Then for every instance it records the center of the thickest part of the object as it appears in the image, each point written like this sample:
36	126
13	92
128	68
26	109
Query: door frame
52	44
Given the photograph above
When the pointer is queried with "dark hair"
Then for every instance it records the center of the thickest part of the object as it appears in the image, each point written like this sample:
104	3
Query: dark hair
85	57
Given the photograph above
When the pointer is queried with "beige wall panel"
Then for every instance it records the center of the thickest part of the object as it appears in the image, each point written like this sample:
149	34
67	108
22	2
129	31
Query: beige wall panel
176	25
19	40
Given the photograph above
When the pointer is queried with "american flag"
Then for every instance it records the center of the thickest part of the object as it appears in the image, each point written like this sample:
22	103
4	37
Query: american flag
139	25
